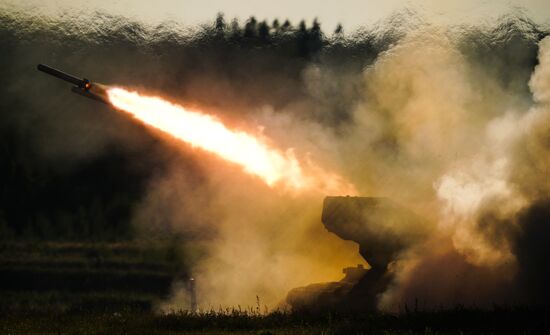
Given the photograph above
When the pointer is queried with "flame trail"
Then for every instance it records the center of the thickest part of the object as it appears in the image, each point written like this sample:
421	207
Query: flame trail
210	134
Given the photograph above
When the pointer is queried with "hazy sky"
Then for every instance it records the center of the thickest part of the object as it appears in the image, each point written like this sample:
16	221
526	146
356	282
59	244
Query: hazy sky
351	13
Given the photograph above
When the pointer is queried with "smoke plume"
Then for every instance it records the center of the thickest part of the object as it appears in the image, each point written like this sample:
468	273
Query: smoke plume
452	122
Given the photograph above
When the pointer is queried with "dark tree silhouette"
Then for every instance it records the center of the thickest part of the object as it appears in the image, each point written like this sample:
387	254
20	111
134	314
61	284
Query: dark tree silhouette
302	27
339	29
235	29
316	27
220	23
250	29
315	38
287	26
263	31
276	25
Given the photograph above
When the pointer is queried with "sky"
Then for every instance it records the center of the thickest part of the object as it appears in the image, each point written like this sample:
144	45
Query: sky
351	13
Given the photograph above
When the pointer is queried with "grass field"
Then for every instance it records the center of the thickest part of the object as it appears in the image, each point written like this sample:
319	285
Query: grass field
88	288
456	321
97	277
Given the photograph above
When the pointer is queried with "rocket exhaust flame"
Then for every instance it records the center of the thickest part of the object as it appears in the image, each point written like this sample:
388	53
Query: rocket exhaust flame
255	155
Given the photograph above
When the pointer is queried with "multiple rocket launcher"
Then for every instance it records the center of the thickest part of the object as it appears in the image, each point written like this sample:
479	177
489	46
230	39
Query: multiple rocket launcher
82	86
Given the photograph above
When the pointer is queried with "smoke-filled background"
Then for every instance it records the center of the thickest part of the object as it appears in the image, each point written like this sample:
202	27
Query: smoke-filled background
451	121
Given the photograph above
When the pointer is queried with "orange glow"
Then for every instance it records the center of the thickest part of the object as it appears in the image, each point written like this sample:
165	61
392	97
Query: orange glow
210	134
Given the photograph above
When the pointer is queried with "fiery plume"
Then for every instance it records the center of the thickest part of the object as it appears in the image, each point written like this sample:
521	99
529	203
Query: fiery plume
207	132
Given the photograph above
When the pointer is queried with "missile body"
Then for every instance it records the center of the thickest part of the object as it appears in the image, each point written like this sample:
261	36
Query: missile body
82	86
